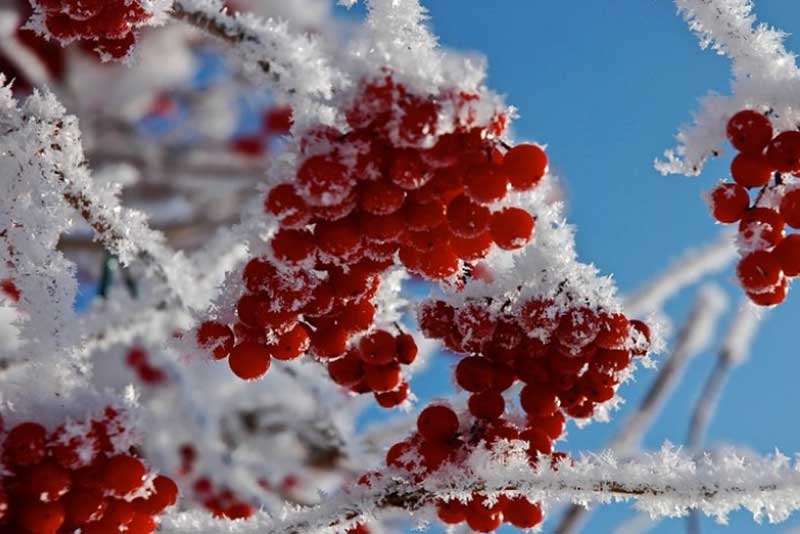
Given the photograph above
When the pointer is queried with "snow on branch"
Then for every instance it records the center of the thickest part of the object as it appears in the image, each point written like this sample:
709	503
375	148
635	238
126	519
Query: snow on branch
294	63
668	483
765	76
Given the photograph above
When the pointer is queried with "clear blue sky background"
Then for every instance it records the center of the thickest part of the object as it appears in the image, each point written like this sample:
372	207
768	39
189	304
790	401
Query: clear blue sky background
605	83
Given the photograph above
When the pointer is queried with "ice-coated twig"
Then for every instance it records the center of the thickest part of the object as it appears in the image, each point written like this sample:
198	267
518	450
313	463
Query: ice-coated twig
294	63
765	76
686	270
667	483
735	348
696	333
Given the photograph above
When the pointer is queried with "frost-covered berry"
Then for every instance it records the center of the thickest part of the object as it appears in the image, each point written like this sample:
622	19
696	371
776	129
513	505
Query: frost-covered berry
249	360
751	170
437	423
790	208
759	271
525	166
216	337
749	131
511	228
728	202
783	152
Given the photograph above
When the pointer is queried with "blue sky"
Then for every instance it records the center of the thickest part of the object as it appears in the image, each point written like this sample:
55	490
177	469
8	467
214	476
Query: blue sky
605	84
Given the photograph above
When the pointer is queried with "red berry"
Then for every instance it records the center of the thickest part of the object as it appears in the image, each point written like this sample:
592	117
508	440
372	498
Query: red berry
293	246
382	228
324	181
165	494
525	166
482	518
25	444
437	423
10	289
749	131
772	296
216	338
436	318
123	474
418	120
249	360
641	335
788	255
790	208
379	347
40	517
329	342
614	330
486	183
467	218
538	401
408	170
421	217
577	328
47	481
278	120
396	452
250	145
439	263
552	425
82	506
759	271
728	202
476	324
751	170
287	205
141	524
538	441
612	360
471	248
382	378
357	317
511	228
522	513
291	344
451	512
487	405
347	370
396	397
406	349
474	374
259	274
783	152
339	239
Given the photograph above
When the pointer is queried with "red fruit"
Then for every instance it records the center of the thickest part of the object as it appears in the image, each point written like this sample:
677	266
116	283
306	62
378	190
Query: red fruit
418	120
466	218
481	518
406	349
46	481
249	360
476	324
340	238
82	506
728	202
329	342
165	494
751	170
539	318
439	263
348	370
380	197
378	348
259	274
749	131
451	512
123	474
525	165
790	208
382	378
251	146
471	248
487	405
522	513
771	297
759	271
115	48
577	328
511	228
118	515
382	228
408	171
10	289
614	330
216	338
292	246
390	399
421	217
291	344
474	374
437	423
435	454
552	425
357	317
40	517
788	255
538	401
254	310
641	335
485	183
396	452
278	120
783	152
538	441
612	360
324	180
436	318
141	524
287	205
25	444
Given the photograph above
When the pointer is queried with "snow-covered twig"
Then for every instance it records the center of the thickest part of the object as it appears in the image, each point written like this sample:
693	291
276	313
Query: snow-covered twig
694	336
668	483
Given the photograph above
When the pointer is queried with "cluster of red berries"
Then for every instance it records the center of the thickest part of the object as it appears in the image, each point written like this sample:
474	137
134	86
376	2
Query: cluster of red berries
569	360
275	122
770	163
440	440
138	360
373	366
374	191
105	26
222	501
61	484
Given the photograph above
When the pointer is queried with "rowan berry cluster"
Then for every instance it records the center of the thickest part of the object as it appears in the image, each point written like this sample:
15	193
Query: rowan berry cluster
441	439
771	163
138	360
105	26
392	186
59	483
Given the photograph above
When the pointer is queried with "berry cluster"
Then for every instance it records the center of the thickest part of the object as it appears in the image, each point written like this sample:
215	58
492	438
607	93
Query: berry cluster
398	184
107	27
276	122
374	366
221	502
59	483
137	359
770	163
441	439
569	360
